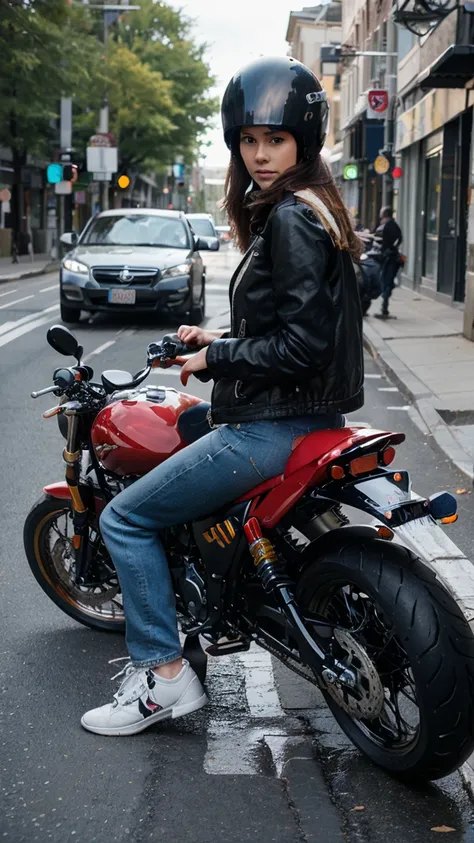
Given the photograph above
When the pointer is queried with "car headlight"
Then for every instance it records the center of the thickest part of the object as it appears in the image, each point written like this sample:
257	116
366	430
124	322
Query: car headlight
75	266
180	269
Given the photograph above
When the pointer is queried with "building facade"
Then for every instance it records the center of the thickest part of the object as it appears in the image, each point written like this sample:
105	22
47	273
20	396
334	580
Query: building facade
435	99
308	30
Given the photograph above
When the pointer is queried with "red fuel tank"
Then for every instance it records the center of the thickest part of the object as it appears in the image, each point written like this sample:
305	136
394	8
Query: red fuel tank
138	432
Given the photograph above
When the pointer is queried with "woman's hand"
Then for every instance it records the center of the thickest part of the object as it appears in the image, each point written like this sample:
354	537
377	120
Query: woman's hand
192	335
194	364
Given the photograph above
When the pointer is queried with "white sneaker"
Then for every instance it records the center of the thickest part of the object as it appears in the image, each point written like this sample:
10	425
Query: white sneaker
144	698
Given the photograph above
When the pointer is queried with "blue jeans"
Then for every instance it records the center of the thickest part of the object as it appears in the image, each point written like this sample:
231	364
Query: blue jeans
212	471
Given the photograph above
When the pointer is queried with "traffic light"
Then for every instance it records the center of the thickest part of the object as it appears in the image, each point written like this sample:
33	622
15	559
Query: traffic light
123	181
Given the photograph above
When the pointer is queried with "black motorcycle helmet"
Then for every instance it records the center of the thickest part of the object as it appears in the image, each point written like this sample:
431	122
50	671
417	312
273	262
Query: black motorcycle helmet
278	92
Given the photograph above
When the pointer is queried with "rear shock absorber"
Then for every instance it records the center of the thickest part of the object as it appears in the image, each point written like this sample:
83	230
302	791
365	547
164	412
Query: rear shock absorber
264	557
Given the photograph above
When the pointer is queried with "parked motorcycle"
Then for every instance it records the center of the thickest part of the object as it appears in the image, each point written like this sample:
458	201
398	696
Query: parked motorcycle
369	271
347	606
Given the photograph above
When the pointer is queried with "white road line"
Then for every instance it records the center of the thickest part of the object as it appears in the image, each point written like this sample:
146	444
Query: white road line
405	407
210	286
98	350
373	376
262	696
9	293
17	301
31	317
387	389
24	329
46	289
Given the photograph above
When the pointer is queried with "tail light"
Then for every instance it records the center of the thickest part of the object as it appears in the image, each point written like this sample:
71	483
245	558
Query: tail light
388	455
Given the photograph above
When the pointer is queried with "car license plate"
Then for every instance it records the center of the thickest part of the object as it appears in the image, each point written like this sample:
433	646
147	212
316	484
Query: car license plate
122	296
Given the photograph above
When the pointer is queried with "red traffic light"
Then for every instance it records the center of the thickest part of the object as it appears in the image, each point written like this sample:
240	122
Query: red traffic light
397	172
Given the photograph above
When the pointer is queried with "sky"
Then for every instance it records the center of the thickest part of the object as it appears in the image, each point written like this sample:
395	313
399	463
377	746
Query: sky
237	31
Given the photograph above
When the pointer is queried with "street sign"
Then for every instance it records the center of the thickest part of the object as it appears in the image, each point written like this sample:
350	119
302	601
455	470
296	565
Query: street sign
102	139
63	188
351	171
102	159
101	176
54	173
377	100
381	165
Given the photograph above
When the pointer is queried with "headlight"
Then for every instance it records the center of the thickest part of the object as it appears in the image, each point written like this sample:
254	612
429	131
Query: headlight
172	271
75	266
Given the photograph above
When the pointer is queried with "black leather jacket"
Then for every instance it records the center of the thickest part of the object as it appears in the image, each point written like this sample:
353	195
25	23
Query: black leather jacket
295	341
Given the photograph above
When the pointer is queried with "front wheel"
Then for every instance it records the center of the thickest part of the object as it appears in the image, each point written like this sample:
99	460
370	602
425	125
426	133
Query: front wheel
47	537
412	651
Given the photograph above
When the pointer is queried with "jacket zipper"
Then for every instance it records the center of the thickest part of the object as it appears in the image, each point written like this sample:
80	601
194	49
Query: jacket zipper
242	271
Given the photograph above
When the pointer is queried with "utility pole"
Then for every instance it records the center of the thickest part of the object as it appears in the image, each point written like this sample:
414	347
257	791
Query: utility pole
104	115
389	124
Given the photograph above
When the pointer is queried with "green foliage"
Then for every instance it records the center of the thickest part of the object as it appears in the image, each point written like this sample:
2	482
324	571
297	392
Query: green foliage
43	47
154	74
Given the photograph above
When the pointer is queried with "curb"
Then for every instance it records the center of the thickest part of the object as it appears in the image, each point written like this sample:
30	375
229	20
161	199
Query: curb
53	266
422	398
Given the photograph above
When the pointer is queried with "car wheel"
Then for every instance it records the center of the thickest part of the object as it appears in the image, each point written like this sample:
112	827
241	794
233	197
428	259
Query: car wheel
198	311
70	314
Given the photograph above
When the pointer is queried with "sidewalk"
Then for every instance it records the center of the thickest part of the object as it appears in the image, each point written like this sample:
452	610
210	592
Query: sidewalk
425	353
26	268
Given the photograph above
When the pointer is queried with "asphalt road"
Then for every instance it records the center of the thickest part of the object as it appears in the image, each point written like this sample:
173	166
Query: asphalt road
265	760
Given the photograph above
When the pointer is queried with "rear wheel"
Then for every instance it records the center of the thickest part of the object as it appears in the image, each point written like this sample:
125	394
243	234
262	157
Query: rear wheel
47	539
412	651
70	314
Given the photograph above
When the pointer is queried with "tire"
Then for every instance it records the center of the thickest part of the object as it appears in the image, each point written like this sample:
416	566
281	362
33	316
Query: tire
86	605
427	626
198	312
70	314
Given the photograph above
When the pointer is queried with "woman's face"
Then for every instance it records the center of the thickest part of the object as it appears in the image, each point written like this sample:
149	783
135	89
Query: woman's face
267	153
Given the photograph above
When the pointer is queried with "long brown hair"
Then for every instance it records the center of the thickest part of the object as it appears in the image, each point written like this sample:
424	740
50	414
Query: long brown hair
247	210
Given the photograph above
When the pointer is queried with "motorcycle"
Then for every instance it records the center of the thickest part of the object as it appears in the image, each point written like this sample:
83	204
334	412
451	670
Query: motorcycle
368	271
347	606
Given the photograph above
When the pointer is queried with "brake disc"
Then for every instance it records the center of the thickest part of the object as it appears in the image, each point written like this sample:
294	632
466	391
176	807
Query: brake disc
63	561
368	689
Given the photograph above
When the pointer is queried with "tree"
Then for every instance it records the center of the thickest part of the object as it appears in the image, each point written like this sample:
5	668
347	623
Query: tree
42	57
160	37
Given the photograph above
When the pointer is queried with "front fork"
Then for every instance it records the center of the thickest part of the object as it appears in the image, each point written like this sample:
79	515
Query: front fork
80	539
313	645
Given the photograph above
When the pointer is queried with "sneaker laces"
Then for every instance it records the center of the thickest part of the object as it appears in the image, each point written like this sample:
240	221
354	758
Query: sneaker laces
128	672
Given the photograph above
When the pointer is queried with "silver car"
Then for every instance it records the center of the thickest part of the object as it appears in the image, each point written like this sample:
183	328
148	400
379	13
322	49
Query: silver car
134	260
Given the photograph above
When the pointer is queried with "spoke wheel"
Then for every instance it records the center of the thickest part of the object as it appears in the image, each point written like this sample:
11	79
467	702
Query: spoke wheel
396	725
403	630
48	544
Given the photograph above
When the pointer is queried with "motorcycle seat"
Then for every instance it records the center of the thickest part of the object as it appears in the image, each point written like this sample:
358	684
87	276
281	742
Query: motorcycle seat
321	447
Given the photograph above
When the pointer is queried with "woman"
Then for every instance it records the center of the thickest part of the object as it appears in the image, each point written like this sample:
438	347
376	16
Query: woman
291	363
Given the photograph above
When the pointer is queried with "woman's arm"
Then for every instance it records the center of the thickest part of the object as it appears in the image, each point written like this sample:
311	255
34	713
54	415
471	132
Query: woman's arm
305	341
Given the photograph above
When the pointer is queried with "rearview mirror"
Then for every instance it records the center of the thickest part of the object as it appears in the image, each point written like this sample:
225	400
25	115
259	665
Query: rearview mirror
69	238
201	245
64	341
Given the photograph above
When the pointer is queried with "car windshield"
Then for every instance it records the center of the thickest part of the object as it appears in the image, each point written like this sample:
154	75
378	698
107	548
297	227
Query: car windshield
137	230
203	228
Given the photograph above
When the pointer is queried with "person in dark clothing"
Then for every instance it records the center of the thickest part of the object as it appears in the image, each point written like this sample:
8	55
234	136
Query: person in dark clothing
389	236
291	363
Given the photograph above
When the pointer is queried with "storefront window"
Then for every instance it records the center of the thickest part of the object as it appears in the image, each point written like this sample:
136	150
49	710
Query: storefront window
433	194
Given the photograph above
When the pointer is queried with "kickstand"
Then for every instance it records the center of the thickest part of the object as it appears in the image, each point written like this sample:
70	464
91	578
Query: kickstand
197	658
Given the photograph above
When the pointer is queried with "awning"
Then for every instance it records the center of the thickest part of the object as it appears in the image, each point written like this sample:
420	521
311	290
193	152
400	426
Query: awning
453	69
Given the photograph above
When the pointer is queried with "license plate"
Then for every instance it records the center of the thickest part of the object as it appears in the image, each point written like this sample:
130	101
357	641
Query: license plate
122	296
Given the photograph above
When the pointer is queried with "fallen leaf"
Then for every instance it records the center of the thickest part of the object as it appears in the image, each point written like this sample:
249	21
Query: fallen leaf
461	491
443	828
358	808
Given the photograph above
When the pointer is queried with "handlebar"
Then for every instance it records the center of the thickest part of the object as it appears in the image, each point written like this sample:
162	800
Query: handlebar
44	391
